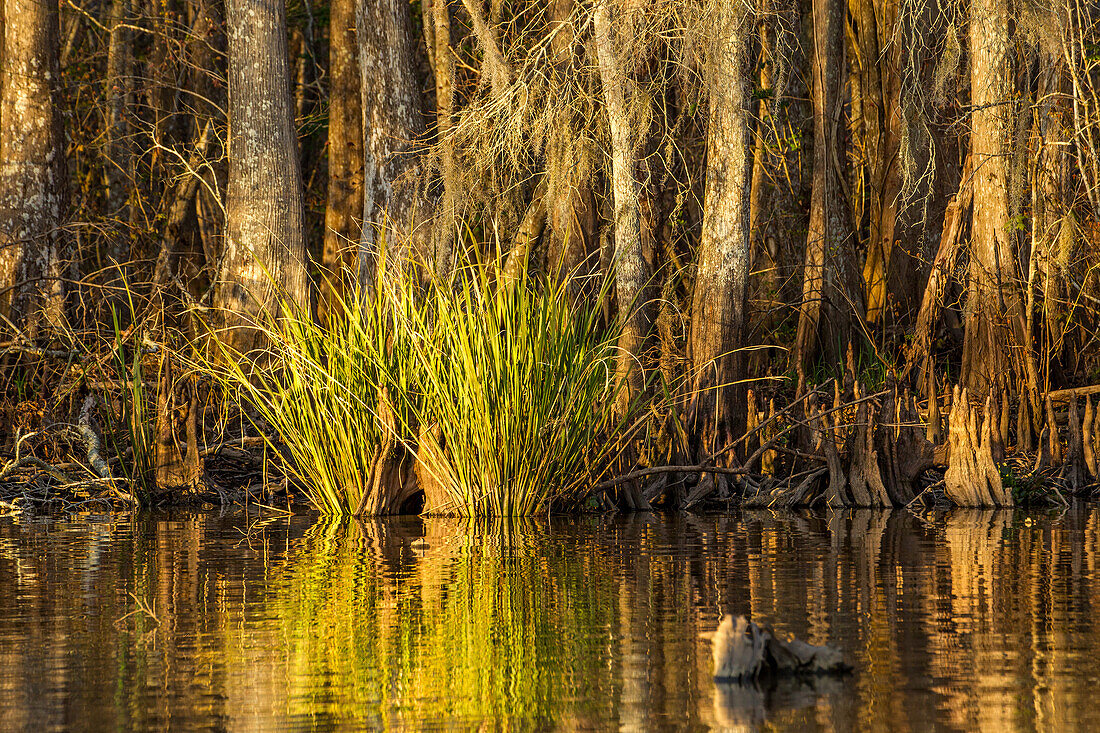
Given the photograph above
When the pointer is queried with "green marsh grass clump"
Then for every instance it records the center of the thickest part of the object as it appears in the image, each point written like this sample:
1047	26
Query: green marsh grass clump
516	382
315	392
502	388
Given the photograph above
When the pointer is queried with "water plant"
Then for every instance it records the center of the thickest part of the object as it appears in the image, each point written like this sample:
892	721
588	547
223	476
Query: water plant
515	397
501	388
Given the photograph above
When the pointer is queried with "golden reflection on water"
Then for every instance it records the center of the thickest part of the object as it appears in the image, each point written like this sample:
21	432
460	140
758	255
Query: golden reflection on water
966	620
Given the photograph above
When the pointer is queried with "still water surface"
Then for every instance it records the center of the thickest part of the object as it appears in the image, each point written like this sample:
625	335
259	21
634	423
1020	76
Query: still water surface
967	620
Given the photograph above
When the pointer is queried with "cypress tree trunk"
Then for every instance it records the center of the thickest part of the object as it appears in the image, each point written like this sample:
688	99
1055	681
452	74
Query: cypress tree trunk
572	207
993	308
118	167
264	262
718	305
32	168
631	268
393	121
829	293
343	229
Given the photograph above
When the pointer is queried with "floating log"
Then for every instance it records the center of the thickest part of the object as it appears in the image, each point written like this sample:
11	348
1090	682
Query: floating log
743	652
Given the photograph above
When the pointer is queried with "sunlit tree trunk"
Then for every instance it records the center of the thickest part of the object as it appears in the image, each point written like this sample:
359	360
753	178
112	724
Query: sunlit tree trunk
631	269
264	260
830	296
344	209
993	309
393	121
718	305
630	266
32	168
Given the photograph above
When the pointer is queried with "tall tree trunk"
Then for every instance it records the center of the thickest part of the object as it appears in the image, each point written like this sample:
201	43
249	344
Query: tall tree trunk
879	86
572	215
393	121
830	295
32	168
631	268
993	327
718	305
264	262
443	63
118	166
343	229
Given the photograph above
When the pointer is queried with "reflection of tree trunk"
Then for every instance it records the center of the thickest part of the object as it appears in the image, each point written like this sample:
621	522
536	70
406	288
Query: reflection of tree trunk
32	167
718	305
993	309
343	229
829	295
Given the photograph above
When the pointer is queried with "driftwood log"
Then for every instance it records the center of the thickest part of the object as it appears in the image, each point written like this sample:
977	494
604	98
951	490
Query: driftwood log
743	652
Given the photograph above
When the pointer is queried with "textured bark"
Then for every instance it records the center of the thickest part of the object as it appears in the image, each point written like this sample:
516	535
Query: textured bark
443	64
718	305
880	124
264	261
572	216
343	228
32	168
118	165
993	327
393	121
631	268
829	293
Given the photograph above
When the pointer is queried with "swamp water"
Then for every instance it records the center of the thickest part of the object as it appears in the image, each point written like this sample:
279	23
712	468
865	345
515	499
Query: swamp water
965	620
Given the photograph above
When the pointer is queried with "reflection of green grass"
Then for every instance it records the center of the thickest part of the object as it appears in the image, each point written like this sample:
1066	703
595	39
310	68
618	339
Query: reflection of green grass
477	627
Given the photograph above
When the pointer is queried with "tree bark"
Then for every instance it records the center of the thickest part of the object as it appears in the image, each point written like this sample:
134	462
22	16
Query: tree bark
32	168
993	321
118	166
264	262
631	268
572	215
718	304
829	294
343	228
880	125
393	122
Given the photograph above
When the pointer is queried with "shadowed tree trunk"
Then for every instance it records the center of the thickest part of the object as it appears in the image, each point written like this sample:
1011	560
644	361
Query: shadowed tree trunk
343	229
443	64
718	305
572	215
264	261
879	127
32	168
393	121
830	295
118	167
993	326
